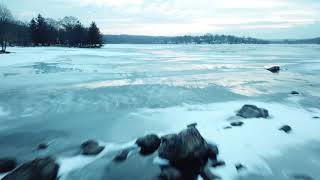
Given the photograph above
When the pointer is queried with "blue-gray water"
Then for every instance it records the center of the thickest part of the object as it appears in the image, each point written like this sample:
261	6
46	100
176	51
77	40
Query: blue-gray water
120	92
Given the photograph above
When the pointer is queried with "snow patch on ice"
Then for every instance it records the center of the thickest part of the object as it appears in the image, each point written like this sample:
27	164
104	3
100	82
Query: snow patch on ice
69	164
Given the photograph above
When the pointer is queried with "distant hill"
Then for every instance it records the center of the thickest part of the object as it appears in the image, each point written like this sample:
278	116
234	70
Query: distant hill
133	39
205	39
298	41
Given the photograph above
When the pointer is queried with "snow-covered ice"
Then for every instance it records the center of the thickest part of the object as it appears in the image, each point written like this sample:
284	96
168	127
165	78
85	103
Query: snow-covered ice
121	92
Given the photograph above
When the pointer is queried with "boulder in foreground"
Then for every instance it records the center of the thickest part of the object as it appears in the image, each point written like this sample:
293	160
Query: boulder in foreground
91	148
207	175
252	111
7	164
170	173
186	151
38	169
274	69
213	152
148	144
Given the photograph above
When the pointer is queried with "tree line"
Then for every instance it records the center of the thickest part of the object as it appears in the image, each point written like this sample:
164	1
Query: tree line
203	39
215	39
41	31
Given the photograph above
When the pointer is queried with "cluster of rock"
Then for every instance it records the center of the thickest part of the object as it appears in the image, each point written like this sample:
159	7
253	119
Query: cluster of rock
42	168
188	153
252	111
277	69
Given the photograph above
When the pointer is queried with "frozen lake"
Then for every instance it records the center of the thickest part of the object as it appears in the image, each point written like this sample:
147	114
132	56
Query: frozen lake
120	92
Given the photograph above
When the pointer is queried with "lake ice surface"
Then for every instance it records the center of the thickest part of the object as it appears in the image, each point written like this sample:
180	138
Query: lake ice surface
120	92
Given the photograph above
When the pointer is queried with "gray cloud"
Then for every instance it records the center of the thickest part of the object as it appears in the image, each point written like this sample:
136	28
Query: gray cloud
171	17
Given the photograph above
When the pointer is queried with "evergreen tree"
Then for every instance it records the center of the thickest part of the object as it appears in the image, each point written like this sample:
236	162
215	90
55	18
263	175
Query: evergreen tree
46	31
33	30
81	34
94	36
41	30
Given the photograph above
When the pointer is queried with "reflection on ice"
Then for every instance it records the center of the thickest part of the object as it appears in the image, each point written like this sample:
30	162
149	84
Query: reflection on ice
242	83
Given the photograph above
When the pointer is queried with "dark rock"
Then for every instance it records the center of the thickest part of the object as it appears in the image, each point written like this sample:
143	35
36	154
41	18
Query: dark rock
274	69
213	151
7	164
218	163
302	177
148	144
193	145
170	146
192	125
187	151
123	155
294	92
38	169
91	148
227	127
316	117
206	174
42	146
286	129
240	167
252	111
170	173
239	123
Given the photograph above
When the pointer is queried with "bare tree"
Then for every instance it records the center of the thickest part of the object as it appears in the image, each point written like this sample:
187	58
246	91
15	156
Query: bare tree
69	21
6	20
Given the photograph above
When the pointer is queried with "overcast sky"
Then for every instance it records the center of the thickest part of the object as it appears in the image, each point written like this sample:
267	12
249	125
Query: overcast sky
269	19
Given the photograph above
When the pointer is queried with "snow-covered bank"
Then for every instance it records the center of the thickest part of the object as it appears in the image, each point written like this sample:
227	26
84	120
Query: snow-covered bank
257	140
68	164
